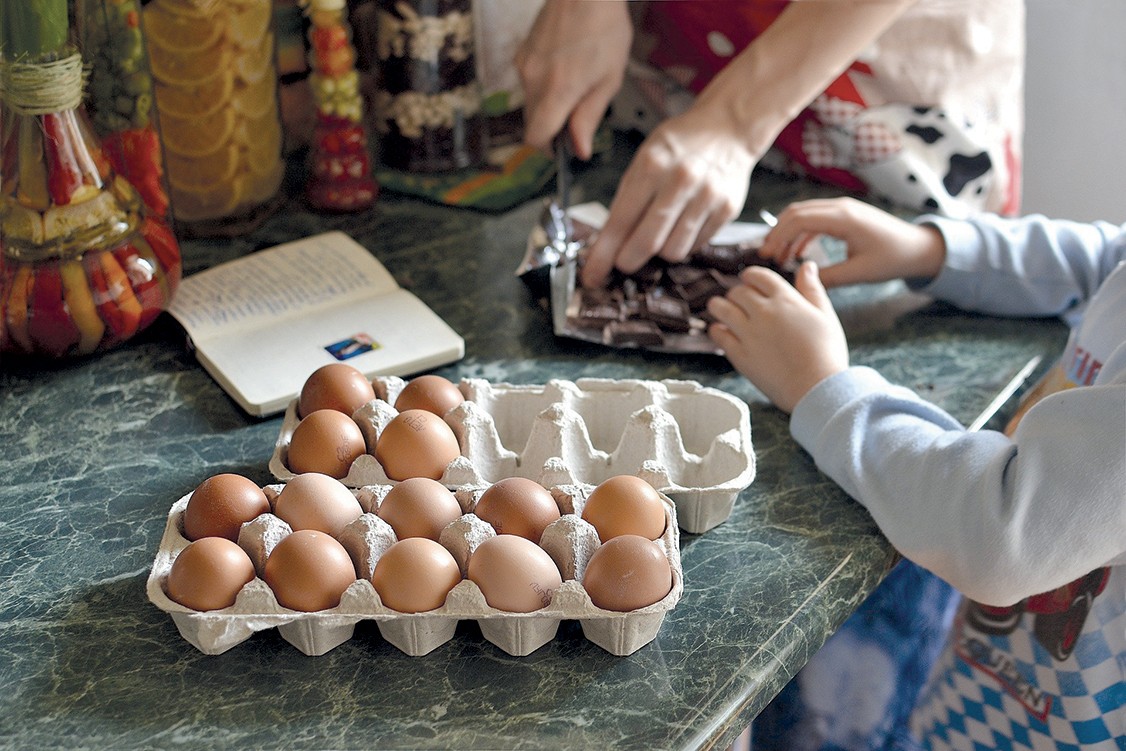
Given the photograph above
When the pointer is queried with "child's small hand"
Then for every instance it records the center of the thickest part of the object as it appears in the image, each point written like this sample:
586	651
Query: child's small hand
881	247
784	339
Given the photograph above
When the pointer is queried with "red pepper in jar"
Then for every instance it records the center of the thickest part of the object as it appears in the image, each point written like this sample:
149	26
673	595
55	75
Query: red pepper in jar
49	324
63	175
163	243
144	279
113	295
135	155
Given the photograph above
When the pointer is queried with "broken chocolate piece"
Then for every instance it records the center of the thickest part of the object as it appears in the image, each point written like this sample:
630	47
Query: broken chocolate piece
697	293
725	258
633	332
596	308
670	313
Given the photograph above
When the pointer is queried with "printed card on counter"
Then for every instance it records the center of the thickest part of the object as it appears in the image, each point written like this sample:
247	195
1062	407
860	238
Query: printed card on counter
262	323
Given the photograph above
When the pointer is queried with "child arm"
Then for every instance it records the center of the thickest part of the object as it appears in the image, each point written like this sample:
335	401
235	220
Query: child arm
998	518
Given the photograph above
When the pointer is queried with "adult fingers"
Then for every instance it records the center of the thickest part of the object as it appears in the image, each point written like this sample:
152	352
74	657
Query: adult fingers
689	227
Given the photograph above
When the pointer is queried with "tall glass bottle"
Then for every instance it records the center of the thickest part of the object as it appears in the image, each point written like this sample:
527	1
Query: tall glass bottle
427	108
340	177
216	93
84	263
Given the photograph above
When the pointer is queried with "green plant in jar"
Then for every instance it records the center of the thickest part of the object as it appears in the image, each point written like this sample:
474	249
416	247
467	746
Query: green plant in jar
84	264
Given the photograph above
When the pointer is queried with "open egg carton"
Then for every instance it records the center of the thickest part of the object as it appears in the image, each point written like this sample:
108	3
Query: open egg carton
694	440
570	541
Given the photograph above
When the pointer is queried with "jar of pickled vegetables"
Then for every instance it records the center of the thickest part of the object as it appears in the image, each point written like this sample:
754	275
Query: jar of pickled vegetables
427	108
215	72
87	258
340	163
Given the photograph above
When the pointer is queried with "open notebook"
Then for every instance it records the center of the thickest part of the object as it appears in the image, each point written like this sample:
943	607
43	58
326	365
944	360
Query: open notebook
262	323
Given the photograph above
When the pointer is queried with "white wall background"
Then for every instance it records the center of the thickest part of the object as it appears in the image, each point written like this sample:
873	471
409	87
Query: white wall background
1075	110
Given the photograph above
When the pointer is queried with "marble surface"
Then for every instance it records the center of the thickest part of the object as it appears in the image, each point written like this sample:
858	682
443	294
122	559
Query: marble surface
95	451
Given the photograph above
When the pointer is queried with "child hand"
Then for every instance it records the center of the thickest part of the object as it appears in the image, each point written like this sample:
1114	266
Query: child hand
881	247
784	339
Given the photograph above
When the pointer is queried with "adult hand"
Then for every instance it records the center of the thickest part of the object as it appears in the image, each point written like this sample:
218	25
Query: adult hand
880	246
687	180
784	339
571	65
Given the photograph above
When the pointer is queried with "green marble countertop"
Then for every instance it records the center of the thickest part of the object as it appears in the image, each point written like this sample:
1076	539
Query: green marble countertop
95	451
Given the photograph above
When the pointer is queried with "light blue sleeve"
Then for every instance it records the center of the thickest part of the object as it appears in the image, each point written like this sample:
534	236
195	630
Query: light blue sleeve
1030	266
1000	519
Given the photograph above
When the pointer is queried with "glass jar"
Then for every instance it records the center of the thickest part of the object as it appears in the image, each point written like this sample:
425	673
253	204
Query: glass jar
340	178
216	94
85	263
427	108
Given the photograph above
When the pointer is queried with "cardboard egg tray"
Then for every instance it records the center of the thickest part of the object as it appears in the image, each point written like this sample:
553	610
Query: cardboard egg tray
692	442
570	541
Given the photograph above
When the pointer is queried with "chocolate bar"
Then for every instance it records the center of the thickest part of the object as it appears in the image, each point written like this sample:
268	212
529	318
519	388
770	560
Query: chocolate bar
633	332
664	304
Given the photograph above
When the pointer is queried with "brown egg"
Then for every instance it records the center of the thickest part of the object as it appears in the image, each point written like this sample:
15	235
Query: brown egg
309	571
326	441
220	505
432	393
415	575
419	507
518	506
625	505
416	443
514	574
208	574
336	386
627	573
317	501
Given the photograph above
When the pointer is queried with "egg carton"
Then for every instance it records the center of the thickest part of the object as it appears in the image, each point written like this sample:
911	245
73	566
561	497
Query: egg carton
696	440
570	541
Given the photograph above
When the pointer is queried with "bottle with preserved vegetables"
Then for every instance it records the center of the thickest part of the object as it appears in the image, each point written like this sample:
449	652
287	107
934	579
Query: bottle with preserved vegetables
85	263
340	162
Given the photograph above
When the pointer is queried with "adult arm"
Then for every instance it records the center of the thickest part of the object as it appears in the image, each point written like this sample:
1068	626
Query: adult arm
692	173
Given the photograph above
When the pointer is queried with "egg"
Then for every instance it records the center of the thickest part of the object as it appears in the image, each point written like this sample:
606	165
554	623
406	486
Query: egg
416	443
415	575
514	574
317	501
221	504
325	441
625	505
208	574
309	571
419	507
336	386
432	393
517	506
626	573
